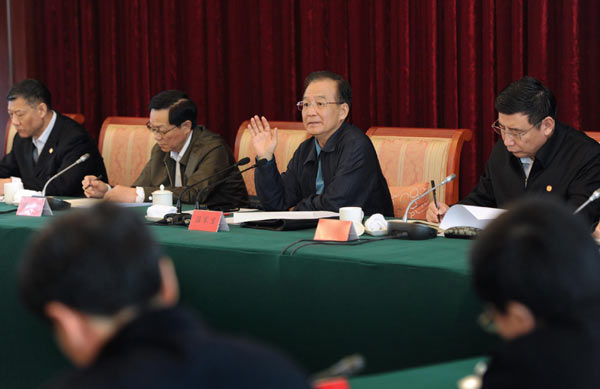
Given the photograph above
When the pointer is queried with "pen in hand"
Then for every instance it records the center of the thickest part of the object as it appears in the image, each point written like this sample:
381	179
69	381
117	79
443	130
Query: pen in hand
96	179
435	200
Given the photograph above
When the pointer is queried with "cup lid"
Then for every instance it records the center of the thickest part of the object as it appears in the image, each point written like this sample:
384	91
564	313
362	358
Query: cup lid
161	191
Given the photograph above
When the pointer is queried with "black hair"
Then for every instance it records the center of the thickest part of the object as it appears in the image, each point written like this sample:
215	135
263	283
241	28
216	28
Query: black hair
344	91
527	96
541	255
33	91
97	261
180	106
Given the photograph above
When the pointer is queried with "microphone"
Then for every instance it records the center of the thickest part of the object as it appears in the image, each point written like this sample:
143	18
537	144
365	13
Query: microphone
345	367
412	231
241	162
57	204
181	218
259	163
592	198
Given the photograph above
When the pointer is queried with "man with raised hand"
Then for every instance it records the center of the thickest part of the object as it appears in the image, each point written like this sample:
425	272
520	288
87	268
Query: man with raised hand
336	167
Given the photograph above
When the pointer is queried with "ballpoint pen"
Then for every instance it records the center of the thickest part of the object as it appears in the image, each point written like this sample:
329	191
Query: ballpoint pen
99	178
435	199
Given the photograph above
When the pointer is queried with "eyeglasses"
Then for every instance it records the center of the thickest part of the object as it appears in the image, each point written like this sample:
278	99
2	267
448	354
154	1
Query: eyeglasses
515	134
318	105
157	131
486	320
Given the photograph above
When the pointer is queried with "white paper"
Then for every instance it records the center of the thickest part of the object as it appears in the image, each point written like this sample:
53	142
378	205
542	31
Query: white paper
83	202
469	216
240	217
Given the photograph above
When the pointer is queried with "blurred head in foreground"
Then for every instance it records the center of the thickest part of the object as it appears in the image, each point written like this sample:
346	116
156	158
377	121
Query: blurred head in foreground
91	272
102	281
536	266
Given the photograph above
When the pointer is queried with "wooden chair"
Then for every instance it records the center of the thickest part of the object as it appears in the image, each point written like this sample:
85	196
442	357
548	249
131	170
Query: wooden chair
594	135
289	137
125	144
411	157
11	130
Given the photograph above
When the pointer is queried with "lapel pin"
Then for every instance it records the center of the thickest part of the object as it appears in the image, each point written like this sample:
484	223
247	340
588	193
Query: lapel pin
51	150
549	188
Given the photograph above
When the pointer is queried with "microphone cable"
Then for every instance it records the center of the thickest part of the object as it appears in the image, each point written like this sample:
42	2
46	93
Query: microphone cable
312	242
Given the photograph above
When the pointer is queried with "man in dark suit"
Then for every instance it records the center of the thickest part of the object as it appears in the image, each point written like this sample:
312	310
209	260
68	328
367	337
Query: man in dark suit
46	142
537	270
110	294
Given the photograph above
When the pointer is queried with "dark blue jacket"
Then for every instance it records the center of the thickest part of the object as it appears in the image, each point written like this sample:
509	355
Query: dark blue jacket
171	349
351	174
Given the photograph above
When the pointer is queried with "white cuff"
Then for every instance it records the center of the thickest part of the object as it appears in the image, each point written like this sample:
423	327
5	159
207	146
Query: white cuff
140	194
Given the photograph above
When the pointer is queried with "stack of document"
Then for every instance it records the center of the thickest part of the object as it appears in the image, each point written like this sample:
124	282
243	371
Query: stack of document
469	216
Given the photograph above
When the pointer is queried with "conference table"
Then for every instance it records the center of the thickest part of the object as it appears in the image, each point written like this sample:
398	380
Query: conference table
445	375
399	303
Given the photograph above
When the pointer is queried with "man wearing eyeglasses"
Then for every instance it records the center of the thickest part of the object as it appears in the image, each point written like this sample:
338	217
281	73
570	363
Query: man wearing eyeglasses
184	154
536	270
537	155
336	167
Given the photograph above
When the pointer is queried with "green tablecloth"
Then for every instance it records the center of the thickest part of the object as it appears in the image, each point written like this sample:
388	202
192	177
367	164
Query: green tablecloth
399	303
441	376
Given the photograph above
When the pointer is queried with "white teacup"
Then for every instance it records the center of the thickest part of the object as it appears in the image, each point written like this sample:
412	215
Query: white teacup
162	197
355	215
10	188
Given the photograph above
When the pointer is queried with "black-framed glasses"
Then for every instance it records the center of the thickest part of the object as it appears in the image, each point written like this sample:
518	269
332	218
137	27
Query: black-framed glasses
318	105
515	134
158	131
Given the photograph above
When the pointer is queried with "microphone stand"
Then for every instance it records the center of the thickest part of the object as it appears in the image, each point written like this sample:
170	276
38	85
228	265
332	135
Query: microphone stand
183	219
412	231
593	197
58	204
258	163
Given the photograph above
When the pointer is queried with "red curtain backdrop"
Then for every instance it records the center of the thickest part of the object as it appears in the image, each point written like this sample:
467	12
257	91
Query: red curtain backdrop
423	63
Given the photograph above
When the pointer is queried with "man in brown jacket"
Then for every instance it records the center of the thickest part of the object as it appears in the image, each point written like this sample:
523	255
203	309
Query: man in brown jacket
184	154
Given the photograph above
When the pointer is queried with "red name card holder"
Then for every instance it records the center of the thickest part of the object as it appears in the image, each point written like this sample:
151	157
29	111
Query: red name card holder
332	383
211	221
338	230
34	206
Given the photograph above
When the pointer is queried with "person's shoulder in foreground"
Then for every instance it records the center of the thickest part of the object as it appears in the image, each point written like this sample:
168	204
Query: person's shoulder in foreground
336	167
537	270
111	296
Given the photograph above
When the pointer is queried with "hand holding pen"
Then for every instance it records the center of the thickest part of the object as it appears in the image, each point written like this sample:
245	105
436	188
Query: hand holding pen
436	210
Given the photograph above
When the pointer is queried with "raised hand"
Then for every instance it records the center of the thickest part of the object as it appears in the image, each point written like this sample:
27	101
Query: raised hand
264	139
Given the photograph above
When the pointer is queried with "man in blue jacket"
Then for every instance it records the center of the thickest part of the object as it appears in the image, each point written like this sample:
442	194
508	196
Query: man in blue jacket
337	167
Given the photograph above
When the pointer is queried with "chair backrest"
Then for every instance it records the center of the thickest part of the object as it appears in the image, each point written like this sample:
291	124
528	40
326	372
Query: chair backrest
11	130
125	144
415	156
594	135
289	137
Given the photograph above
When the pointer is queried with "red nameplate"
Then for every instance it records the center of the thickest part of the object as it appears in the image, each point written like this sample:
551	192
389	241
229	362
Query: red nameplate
211	221
33	206
339	230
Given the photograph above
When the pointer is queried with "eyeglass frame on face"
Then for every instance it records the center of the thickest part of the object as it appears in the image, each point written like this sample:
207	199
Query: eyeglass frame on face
486	320
513	134
155	131
318	105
